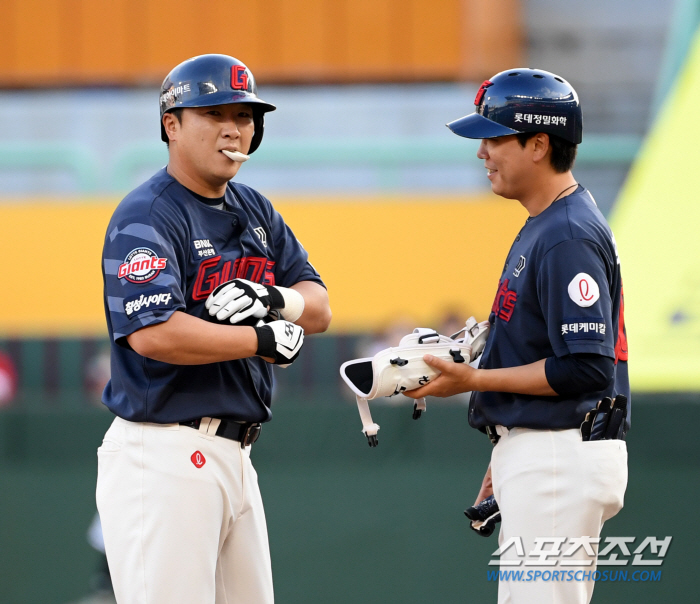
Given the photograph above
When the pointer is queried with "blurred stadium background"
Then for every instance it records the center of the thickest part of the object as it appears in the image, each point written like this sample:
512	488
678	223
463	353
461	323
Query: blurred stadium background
386	199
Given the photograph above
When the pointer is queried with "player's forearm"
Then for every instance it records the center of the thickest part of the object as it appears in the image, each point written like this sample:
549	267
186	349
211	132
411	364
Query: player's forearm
526	379
486	489
187	340
317	311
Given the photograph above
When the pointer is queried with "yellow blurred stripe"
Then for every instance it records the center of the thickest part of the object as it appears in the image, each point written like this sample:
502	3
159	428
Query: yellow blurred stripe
382	258
656	224
50	272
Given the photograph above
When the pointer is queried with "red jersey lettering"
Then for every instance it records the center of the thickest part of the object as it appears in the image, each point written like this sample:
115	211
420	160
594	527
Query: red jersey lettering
504	304
210	275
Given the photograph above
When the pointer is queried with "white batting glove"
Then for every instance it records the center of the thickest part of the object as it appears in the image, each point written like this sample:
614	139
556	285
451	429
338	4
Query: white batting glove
240	299
280	341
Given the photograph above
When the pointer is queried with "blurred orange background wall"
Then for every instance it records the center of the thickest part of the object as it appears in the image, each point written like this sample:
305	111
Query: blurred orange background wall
73	42
382	258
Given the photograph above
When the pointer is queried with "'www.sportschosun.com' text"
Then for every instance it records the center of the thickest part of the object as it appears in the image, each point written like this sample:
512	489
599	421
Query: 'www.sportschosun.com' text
574	575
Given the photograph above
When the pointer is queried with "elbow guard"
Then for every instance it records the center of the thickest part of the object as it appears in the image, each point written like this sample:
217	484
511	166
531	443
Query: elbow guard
575	374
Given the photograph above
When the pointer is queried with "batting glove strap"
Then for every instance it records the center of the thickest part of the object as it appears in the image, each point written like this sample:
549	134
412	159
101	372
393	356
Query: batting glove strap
277	299
280	341
266	342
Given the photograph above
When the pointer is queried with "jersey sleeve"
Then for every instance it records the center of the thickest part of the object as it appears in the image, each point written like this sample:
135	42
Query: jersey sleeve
574	295
142	262
291	259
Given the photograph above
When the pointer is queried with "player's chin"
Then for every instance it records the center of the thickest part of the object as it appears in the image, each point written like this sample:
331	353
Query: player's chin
226	170
498	188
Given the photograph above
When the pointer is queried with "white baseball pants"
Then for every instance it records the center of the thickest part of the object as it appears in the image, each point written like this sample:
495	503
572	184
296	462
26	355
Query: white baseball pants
182	517
549	483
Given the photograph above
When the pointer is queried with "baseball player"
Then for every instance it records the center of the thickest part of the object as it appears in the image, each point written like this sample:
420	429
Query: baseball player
205	287
557	343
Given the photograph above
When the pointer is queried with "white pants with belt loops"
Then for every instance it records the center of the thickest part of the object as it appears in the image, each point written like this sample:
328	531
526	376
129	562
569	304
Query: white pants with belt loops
549	483
182	517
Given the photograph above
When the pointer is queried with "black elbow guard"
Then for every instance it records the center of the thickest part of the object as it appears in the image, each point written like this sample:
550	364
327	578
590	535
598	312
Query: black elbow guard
575	374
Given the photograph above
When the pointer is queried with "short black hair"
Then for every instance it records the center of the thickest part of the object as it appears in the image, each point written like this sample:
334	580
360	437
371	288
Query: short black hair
178	116
563	152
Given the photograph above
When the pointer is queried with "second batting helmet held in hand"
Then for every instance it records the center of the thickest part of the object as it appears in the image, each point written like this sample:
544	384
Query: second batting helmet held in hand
523	100
209	80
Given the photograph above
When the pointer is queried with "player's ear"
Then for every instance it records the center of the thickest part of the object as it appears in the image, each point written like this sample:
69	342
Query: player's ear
541	146
171	125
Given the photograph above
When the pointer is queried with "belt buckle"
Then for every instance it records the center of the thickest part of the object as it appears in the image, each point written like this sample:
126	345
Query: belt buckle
251	434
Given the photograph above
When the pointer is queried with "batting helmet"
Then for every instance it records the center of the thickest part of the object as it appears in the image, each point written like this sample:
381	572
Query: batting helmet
209	80
523	100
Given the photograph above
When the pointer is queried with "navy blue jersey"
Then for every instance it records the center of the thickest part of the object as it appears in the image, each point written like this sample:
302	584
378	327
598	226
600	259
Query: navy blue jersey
560	293
165	251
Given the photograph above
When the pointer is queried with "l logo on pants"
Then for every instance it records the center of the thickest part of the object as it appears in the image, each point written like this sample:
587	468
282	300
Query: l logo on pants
198	459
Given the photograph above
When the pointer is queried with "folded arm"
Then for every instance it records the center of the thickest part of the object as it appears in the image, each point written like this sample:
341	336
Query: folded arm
187	340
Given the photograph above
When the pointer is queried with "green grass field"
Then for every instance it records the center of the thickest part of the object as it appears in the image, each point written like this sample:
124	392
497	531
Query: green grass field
348	524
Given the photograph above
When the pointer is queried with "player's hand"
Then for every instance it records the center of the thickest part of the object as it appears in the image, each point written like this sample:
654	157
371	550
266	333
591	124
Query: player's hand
239	299
454	378
484	516
280	341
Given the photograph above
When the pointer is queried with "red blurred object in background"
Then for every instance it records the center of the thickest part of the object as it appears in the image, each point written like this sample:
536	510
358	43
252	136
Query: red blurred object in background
8	380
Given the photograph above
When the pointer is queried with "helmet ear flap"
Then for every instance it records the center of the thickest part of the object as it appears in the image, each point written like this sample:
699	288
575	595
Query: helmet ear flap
259	123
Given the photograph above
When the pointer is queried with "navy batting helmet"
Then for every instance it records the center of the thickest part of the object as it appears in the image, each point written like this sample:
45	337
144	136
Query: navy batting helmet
523	100
209	80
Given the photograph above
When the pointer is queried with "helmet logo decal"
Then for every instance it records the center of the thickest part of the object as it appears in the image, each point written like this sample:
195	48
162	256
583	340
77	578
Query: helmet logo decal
239	77
481	92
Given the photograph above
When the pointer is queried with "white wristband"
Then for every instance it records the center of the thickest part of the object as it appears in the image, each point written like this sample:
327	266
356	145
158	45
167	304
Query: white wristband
293	304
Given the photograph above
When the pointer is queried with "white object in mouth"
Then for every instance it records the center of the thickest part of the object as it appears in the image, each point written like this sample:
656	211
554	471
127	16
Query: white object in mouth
236	155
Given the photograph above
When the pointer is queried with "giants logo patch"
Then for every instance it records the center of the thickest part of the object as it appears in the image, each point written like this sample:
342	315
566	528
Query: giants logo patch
141	265
210	275
504	304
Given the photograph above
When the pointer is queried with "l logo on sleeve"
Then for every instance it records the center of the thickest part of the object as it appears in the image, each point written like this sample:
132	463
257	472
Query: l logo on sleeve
584	290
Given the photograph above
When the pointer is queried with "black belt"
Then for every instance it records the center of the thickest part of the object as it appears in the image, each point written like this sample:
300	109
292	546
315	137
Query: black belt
246	434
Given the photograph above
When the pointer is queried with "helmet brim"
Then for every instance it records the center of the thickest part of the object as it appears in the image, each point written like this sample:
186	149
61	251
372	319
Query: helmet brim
225	97
477	126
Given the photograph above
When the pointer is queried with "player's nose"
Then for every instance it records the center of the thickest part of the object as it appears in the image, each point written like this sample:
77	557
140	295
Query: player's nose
230	128
481	152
